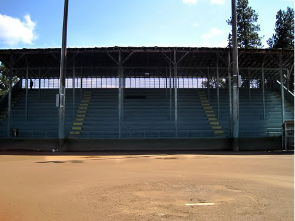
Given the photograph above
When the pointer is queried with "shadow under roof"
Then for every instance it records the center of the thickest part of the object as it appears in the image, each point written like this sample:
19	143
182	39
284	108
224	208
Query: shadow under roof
102	61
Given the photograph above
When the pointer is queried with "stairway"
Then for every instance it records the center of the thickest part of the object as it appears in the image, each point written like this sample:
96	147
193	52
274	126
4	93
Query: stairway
214	123
81	115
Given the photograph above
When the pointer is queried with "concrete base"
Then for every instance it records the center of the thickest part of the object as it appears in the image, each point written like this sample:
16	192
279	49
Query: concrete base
244	144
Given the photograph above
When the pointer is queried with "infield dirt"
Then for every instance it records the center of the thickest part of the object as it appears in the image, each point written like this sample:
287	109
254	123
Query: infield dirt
146	187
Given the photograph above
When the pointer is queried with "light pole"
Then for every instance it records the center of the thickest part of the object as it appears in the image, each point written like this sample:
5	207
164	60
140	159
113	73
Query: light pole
235	119
61	108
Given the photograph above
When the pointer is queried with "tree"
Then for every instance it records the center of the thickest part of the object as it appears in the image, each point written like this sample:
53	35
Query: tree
3	79
284	30
247	31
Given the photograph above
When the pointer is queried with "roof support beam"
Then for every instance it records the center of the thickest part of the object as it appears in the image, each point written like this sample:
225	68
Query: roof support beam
230	94
120	95
263	84
9	96
62	95
282	87
175	95
235	79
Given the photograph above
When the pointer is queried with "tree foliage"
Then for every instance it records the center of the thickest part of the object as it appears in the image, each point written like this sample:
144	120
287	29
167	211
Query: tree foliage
3	79
247	30
284	30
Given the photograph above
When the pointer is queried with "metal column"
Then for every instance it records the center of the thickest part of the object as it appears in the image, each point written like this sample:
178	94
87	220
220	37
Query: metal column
39	83
249	81
262	86
217	87
230	95
166	88
27	91
208	83
288	80
61	120
282	87
235	79
9	97
120	73
175	96
74	87
81	86
170	92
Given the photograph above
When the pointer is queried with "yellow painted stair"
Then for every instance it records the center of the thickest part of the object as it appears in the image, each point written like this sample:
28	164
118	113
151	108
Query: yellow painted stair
81	115
213	121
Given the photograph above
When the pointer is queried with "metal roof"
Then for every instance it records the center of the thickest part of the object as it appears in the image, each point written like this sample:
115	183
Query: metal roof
101	61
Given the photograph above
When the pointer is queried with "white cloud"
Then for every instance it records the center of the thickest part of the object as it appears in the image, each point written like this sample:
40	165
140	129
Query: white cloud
14	31
195	25
217	2
212	33
190	2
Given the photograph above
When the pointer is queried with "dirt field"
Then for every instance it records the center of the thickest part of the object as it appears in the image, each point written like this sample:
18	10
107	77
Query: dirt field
147	187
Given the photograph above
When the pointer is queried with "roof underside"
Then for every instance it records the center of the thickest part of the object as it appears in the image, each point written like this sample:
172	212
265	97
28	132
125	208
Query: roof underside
97	62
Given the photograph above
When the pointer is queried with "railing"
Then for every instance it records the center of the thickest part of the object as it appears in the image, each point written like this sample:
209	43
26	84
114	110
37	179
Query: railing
289	95
36	135
147	134
270	132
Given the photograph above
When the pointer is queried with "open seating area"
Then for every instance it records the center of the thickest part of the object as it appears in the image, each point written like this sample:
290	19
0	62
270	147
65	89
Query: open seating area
145	114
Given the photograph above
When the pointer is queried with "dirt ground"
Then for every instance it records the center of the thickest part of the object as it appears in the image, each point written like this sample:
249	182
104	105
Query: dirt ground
178	186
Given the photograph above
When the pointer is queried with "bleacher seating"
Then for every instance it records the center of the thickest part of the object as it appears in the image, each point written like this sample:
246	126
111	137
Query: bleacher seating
146	114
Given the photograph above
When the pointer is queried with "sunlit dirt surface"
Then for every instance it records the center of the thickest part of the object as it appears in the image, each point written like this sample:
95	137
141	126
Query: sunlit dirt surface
146	186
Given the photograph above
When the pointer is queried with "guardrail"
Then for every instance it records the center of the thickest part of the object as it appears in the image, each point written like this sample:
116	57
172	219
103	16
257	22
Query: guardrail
147	134
36	135
271	132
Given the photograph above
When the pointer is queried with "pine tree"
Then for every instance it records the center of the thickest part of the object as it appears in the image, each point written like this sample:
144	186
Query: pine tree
247	31
284	30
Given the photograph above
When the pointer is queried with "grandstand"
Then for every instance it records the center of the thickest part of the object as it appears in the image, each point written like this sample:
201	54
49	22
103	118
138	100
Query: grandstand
140	93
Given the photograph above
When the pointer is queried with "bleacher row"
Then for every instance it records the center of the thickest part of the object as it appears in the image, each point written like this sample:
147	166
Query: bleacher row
146	114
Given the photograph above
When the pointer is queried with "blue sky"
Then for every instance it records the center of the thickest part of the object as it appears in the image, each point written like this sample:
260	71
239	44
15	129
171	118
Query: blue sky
95	23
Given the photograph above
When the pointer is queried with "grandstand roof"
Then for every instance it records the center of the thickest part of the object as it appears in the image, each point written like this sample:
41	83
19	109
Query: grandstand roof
102	61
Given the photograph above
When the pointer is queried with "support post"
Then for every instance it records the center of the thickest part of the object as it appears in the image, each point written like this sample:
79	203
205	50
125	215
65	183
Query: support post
39	83
123	92
9	97
170	91
175	95
288	79
120	70
208	83
262	87
217	87
249	81
282	87
81	86
27	91
61	120
166	88
235	79
74	91
230	96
